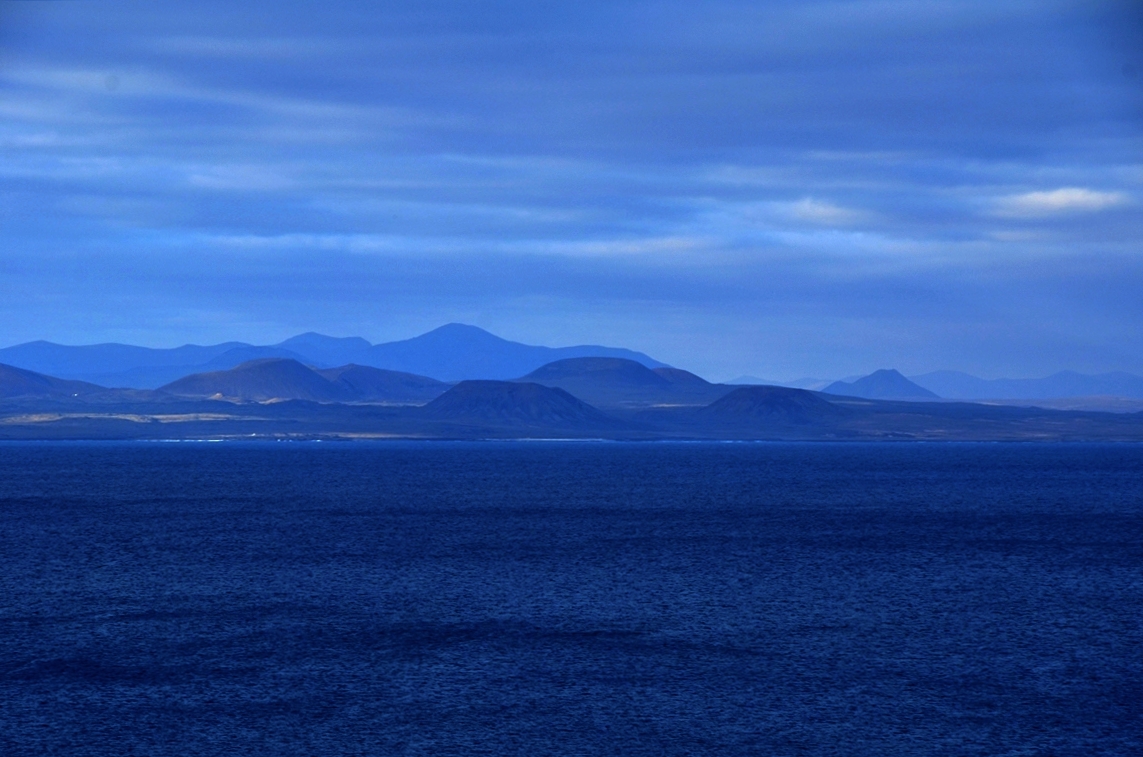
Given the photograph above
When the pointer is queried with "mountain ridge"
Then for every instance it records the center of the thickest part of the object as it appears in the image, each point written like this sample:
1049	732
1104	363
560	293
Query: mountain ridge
960	385
614	382
452	352
287	379
34	406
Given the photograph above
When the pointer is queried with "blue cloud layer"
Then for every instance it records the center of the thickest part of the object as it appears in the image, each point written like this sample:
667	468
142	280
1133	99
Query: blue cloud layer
779	188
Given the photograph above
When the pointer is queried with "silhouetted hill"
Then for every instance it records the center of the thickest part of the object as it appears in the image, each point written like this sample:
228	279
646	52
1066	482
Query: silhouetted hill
770	406
609	381
276	378
17	382
259	380
160	375
685	380
886	384
34	406
957	385
512	404
365	384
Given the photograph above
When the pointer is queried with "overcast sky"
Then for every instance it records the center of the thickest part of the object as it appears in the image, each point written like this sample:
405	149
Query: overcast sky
774	188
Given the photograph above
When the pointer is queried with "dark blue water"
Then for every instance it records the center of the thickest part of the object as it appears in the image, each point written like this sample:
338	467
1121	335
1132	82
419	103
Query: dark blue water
532	599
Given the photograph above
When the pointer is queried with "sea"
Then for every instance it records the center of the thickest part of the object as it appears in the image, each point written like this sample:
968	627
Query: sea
571	598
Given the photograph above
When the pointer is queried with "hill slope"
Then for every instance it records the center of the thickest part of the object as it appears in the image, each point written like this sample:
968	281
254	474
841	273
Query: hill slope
611	382
19	383
362	383
770	406
277	378
516	405
258	381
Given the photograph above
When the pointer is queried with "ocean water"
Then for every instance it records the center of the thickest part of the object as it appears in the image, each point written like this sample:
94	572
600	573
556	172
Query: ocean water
571	599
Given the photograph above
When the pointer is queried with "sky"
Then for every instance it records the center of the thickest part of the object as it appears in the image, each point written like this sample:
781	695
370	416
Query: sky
780	189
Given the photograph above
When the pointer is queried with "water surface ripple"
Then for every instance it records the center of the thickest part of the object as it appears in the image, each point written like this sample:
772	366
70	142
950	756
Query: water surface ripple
571	599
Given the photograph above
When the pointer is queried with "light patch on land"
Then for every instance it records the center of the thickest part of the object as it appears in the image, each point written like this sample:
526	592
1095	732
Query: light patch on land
18	420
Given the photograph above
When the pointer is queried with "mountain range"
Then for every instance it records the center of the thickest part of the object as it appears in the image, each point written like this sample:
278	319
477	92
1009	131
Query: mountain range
612	398
458	352
454	352
958	385
286	379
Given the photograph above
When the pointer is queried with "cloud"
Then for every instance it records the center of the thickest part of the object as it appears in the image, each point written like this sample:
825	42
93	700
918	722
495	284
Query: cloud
1065	200
346	167
823	213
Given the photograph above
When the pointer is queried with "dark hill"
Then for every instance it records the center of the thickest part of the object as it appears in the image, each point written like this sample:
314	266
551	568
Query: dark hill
18	383
257	381
273	378
365	384
512	404
608	381
677	377
886	384
771	406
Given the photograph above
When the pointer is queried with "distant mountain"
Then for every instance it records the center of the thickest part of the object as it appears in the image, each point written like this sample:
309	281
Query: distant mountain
318	349
610	381
129	366
105	359
457	352
20	383
449	353
501	404
957	385
277	378
159	375
886	384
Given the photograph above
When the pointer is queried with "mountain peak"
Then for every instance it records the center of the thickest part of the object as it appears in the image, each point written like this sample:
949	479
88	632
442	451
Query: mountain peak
459	328
884	384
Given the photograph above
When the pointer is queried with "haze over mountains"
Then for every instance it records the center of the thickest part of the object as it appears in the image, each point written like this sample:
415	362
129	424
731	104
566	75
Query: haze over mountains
417	370
613	398
615	382
17	382
956	385
284	378
454	352
885	384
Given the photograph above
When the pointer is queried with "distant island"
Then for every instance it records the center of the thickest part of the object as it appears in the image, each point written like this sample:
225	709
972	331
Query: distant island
474	385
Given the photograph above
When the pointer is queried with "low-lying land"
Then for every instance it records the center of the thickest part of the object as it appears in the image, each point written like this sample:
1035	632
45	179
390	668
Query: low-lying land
586	398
